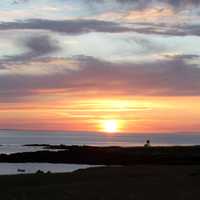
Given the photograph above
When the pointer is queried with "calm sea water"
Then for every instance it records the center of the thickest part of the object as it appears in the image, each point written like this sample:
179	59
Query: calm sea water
31	168
13	141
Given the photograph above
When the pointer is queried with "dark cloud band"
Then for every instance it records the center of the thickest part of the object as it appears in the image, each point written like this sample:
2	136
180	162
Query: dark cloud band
172	76
76	27
65	26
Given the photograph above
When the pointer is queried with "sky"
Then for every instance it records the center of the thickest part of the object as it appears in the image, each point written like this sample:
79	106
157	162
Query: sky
82	65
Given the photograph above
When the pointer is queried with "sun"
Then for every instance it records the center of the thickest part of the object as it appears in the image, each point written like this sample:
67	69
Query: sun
110	126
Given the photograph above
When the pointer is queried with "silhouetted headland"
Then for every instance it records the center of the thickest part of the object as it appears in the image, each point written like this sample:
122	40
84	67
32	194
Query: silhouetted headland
108	155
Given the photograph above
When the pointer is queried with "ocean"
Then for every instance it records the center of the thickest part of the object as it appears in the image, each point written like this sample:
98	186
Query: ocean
13	141
31	168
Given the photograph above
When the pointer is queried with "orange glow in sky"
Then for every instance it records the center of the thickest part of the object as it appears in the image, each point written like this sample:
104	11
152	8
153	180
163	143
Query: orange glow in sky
113	66
131	114
110	126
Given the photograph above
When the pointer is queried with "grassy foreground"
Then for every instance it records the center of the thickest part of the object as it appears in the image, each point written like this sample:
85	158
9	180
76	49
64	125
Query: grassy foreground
158	182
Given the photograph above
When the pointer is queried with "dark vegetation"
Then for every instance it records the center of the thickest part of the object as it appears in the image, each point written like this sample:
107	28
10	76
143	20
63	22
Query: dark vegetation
109	155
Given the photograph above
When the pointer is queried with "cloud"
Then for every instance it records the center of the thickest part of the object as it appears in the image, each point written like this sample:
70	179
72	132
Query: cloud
156	14
40	45
20	1
172	76
78	26
36	46
183	3
145	3
38	66
150	14
72	27
166	29
183	56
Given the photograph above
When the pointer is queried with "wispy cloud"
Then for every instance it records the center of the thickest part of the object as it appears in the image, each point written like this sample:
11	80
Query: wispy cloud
145	3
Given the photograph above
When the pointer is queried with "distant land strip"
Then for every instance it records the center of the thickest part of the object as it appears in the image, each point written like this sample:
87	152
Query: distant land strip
107	155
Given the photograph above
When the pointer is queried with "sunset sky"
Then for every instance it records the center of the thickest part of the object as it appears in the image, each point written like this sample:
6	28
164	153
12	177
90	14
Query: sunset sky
82	65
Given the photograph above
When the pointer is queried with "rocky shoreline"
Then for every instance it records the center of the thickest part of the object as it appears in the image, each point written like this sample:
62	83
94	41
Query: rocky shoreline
108	155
